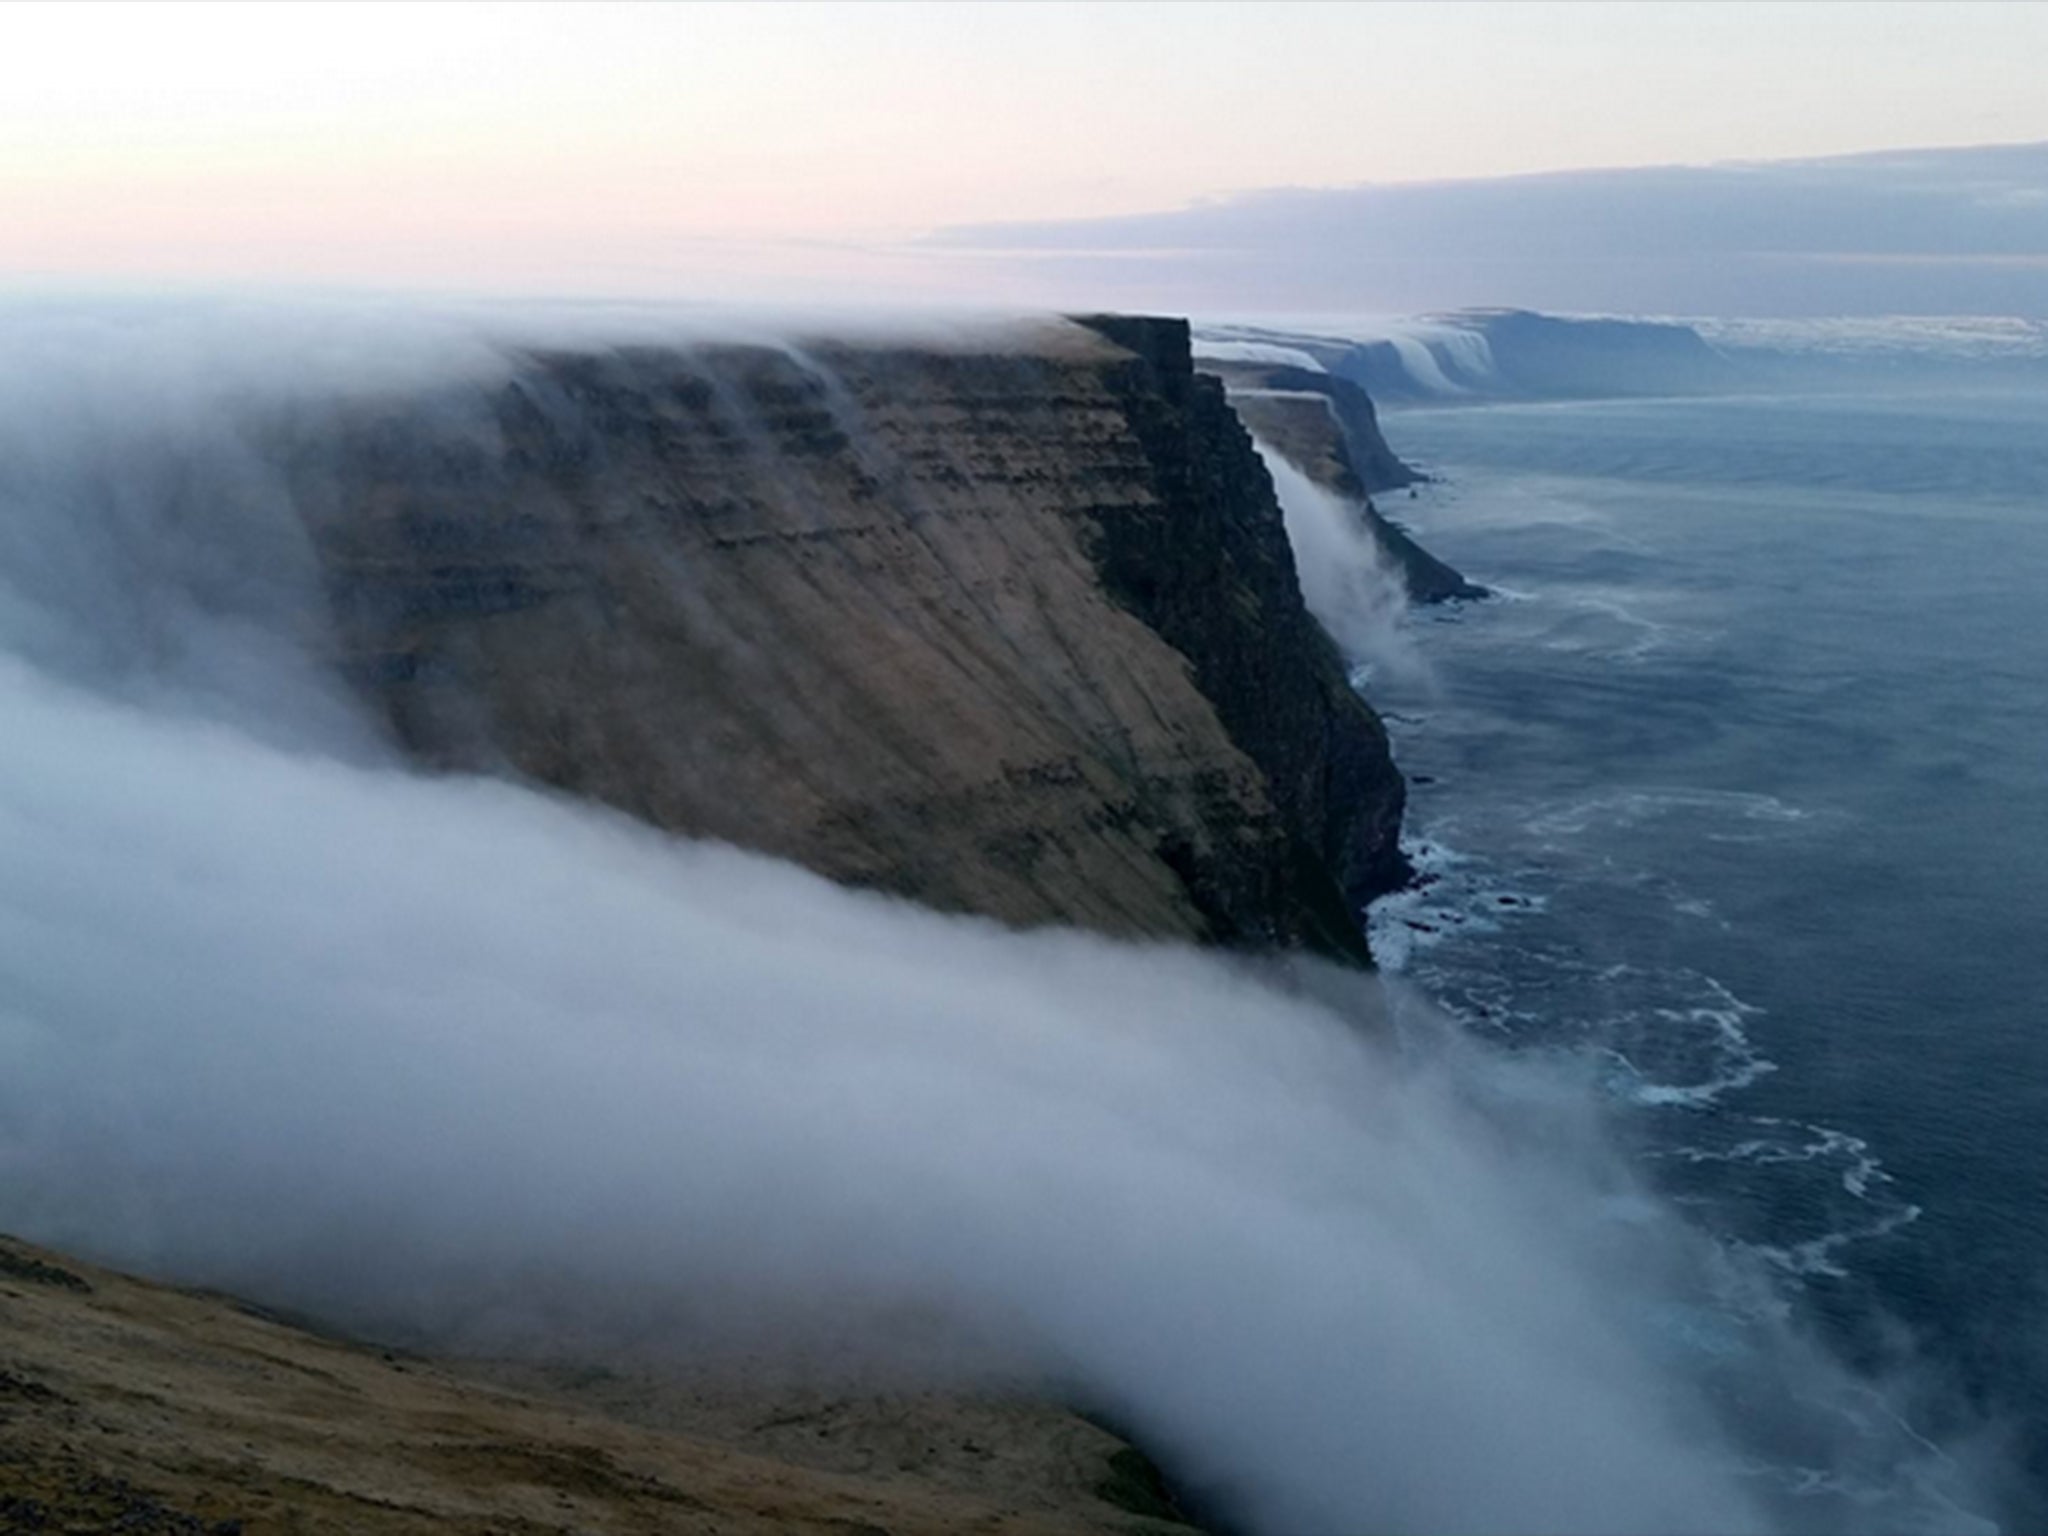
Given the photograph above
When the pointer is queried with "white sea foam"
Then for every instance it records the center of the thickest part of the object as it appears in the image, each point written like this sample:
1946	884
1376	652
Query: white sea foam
1673	1037
1818	1256
1850	1166
1451	895
1484	501
1743	1067
1631	807
1795	1141
1650	636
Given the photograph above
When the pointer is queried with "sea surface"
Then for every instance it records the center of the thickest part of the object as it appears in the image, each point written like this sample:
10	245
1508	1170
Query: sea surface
1739	789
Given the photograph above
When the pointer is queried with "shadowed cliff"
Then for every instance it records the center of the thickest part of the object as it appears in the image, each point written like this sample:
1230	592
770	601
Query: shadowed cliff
1008	627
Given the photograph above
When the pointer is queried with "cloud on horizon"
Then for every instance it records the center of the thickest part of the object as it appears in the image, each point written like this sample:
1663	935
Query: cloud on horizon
1937	231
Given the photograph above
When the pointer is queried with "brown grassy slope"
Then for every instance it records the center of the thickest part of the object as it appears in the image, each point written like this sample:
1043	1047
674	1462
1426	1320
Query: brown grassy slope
136	1407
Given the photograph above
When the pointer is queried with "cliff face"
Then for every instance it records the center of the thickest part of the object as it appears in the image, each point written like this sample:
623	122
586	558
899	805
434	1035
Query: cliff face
1009	628
1326	427
1362	451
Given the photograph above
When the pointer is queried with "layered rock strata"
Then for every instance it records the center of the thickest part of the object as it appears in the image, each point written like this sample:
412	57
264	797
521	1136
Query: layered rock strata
1009	626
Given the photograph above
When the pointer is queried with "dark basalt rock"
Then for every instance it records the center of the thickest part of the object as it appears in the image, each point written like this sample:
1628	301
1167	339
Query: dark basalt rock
1214	574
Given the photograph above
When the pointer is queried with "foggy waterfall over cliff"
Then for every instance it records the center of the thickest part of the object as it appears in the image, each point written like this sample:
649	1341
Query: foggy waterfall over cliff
460	1062
1345	580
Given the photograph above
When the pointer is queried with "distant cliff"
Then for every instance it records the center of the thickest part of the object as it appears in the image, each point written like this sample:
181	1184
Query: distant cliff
1327	428
1501	354
1364	461
1009	626
1565	356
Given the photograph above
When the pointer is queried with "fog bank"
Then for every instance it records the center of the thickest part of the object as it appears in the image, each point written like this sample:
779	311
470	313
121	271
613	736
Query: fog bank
450	1061
1356	596
453	1062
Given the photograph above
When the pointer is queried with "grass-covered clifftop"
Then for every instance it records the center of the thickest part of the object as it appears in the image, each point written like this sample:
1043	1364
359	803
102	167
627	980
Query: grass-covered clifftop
132	1407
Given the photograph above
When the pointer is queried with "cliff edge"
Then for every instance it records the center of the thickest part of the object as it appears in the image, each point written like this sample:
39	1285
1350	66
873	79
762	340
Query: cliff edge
1005	625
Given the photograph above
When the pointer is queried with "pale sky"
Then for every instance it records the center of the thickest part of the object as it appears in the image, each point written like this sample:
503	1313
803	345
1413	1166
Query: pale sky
802	150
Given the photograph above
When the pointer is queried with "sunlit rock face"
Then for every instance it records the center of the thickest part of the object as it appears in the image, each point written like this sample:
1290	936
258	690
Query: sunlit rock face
1009	625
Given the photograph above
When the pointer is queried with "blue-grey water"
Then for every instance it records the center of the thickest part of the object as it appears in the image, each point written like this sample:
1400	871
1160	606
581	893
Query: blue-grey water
1741	787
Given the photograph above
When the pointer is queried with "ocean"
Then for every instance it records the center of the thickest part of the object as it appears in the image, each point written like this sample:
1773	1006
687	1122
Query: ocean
1738	791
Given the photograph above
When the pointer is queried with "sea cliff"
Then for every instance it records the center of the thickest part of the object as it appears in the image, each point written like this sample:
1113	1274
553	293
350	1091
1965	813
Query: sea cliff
1007	626
1327	428
1004	623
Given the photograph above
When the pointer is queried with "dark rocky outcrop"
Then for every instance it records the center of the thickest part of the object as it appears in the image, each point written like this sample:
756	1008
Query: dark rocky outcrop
1212	572
1007	625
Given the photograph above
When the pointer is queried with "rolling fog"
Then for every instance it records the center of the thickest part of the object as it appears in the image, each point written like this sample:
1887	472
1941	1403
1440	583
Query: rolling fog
1355	595
452	1062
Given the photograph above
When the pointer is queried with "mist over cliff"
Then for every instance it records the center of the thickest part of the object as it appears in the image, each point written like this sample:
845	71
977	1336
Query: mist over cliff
350	959
1475	356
